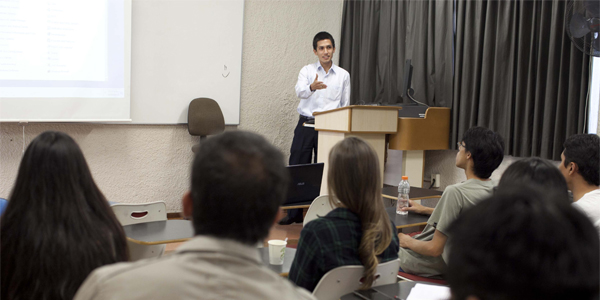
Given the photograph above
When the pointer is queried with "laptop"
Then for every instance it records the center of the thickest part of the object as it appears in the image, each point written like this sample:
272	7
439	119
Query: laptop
305	184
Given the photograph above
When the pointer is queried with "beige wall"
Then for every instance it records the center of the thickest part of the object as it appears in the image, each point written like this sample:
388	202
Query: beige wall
141	163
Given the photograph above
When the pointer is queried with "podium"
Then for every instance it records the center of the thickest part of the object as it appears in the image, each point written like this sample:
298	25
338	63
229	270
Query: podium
371	123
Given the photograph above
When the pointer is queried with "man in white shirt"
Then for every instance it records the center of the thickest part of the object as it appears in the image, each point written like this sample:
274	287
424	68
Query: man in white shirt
321	86
580	164
237	185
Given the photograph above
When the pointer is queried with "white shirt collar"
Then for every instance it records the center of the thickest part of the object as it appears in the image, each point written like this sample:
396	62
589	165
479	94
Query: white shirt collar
333	67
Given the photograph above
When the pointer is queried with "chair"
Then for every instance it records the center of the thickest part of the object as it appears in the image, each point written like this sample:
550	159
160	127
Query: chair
204	118
346	279
411	277
128	214
318	208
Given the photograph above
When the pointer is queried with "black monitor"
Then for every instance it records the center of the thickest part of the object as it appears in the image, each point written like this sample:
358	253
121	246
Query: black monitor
305	183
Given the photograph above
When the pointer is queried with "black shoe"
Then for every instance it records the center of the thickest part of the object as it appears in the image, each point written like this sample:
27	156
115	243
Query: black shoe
287	220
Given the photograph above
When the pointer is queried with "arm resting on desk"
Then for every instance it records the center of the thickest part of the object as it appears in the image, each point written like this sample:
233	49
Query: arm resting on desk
434	248
418	208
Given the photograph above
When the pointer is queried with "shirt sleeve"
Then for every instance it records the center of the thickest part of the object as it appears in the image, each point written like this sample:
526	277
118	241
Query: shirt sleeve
304	271
303	84
345	101
450	209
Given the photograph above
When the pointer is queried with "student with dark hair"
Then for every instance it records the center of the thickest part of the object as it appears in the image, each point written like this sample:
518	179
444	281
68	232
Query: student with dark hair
321	86
580	166
518	245
238	183
358	231
538	172
58	226
480	152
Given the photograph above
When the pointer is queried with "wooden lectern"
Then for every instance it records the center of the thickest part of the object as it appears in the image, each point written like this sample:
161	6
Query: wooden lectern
370	123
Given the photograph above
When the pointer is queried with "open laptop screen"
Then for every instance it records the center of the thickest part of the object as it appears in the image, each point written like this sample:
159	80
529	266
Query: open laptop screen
305	183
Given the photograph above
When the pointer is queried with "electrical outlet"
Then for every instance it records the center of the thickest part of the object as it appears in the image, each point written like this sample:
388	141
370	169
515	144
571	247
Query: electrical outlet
437	178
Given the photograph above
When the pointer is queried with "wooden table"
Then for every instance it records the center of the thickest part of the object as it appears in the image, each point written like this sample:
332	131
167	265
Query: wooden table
408	220
160	232
399	290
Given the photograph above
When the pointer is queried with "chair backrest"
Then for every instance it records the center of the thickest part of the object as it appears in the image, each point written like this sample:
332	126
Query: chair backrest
205	117
129	213
346	279
318	208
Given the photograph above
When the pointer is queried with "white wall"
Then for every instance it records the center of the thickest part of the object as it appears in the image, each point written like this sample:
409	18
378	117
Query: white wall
140	163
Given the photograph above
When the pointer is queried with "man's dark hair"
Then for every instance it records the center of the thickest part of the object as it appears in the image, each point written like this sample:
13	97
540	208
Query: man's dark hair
539	172
323	35
239	181
584	149
519	244
487	150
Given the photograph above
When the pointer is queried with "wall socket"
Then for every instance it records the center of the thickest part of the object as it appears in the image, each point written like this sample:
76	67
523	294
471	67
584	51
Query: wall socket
437	178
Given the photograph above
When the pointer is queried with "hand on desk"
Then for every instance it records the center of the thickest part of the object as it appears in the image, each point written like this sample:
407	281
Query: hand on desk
418	208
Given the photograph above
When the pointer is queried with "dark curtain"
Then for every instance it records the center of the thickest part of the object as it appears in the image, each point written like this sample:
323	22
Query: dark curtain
518	73
379	35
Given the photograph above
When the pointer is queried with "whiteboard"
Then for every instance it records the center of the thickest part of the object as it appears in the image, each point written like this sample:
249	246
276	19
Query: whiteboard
182	50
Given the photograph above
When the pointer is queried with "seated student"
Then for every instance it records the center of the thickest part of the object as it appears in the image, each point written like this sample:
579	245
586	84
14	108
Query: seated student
518	245
579	165
535	171
57	226
238	183
480	152
358	231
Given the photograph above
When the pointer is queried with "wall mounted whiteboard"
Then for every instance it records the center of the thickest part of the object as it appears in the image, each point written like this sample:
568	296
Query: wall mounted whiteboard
182	50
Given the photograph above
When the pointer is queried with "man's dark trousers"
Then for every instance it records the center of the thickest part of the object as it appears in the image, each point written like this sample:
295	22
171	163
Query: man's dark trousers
303	146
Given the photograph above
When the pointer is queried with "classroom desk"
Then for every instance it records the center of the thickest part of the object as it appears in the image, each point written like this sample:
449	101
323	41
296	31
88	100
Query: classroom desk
160	232
390	192
409	220
399	290
288	259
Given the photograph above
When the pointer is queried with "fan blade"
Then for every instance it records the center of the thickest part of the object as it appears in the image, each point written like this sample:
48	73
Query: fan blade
578	26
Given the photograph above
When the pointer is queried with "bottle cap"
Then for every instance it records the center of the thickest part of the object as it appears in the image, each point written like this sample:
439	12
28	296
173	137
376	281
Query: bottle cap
404	177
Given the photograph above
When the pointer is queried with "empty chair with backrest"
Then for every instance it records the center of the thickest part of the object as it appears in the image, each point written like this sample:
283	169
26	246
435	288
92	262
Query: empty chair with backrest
129	213
346	279
205	118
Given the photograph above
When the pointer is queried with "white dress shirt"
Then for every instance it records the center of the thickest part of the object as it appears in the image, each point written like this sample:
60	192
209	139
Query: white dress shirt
202	268
337	93
589	204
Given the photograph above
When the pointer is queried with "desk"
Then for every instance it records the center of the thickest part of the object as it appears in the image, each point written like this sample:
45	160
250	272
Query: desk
288	259
409	220
400	289
391	192
160	232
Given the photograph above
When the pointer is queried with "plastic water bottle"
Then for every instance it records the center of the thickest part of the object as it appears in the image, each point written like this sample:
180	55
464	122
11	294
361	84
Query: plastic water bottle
403	190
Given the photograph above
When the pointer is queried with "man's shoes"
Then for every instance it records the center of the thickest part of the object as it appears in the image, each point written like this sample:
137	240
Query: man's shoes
287	220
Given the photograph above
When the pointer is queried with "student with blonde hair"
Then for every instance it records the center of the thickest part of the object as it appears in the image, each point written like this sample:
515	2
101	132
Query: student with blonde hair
358	231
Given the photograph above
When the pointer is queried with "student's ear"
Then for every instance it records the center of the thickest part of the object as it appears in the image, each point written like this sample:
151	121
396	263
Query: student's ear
315	52
187	204
573	168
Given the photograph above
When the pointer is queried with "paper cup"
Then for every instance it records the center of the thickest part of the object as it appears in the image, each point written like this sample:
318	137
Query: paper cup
276	251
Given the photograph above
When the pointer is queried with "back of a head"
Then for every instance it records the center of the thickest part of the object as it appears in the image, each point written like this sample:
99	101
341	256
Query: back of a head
584	150
518	245
354	180
487	150
57	214
239	180
323	35
538	172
